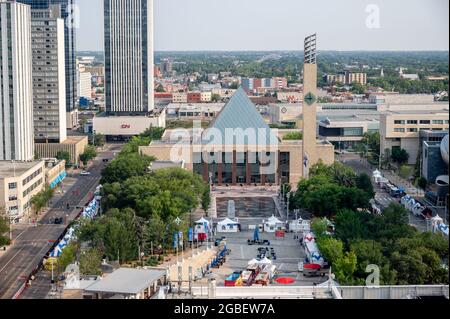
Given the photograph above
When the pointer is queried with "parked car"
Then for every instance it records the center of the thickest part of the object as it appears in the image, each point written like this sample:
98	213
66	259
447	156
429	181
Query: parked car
85	173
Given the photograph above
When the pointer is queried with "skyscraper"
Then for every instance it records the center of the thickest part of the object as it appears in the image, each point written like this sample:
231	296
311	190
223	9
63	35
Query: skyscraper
16	95
68	14
49	81
129	84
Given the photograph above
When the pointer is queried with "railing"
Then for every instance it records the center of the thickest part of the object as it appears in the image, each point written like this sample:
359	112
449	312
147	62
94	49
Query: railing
300	292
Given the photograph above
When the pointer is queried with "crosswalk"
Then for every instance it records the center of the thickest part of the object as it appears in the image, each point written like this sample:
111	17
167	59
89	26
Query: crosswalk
384	199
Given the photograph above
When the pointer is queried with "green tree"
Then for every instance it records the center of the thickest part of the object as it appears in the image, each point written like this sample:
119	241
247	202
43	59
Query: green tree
154	133
293	136
320	227
155	231
4	228
345	267
373	141
133	145
64	156
215	98
99	140
331	249
160	89
120	236
350	226
91	262
89	154
41	199
395	223
422	183
400	156
364	183
68	257
124	167
358	88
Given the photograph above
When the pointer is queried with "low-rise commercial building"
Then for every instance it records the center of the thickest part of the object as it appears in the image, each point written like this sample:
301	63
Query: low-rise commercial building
282	113
401	129
74	145
125	127
55	172
194	111
205	97
290	97
179	98
347	132
19	182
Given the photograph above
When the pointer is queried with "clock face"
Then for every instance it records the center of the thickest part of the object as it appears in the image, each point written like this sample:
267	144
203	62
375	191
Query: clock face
310	98
284	110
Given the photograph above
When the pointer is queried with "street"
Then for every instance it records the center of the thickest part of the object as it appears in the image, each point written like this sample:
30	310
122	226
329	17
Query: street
31	243
382	198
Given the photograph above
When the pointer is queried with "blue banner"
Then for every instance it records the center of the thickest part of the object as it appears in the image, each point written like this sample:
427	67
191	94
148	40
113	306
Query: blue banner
191	234
175	240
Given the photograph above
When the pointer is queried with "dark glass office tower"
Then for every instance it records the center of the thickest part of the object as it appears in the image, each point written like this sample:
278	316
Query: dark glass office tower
67	13
129	87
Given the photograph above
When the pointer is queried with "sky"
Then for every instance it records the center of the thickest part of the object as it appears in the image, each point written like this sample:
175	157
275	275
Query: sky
265	25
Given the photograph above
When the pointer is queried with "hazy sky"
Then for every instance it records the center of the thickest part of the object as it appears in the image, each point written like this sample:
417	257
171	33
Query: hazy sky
282	24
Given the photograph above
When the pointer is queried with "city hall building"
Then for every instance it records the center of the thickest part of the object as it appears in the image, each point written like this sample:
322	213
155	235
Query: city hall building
239	148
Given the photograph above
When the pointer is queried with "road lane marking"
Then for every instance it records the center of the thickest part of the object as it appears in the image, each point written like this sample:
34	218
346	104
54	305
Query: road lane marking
12	259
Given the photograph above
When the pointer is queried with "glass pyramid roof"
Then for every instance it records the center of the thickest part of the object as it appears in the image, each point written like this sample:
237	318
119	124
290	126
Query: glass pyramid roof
239	123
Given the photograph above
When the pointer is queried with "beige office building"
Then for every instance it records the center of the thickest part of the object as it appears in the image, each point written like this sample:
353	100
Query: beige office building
19	182
75	145
401	129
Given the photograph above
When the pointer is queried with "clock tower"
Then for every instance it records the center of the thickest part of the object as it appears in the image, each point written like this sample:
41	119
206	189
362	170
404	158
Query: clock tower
310	156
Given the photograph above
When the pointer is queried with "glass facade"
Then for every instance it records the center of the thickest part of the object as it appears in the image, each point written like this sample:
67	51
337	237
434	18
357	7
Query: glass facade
241	168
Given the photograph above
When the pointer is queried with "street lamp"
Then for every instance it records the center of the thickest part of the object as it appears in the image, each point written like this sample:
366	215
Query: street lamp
288	197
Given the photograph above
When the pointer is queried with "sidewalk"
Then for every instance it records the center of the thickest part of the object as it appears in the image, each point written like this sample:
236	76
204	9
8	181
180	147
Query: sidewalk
397	180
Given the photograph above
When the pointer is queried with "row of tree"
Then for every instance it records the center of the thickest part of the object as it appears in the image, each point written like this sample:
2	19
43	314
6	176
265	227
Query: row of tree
4	228
143	208
403	255
339	184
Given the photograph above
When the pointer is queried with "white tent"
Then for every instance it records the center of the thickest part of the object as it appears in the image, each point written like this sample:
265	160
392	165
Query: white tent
265	261
300	226
253	262
227	226
202	226
377	176
273	224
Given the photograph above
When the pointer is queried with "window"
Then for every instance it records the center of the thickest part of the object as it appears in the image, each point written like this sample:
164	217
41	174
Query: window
399	122
12	186
399	130
413	130
439	122
425	122
412	122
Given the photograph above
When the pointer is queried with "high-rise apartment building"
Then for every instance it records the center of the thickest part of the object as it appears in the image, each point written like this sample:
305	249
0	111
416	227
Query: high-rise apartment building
129	83
84	82
68	14
16	97
49	77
